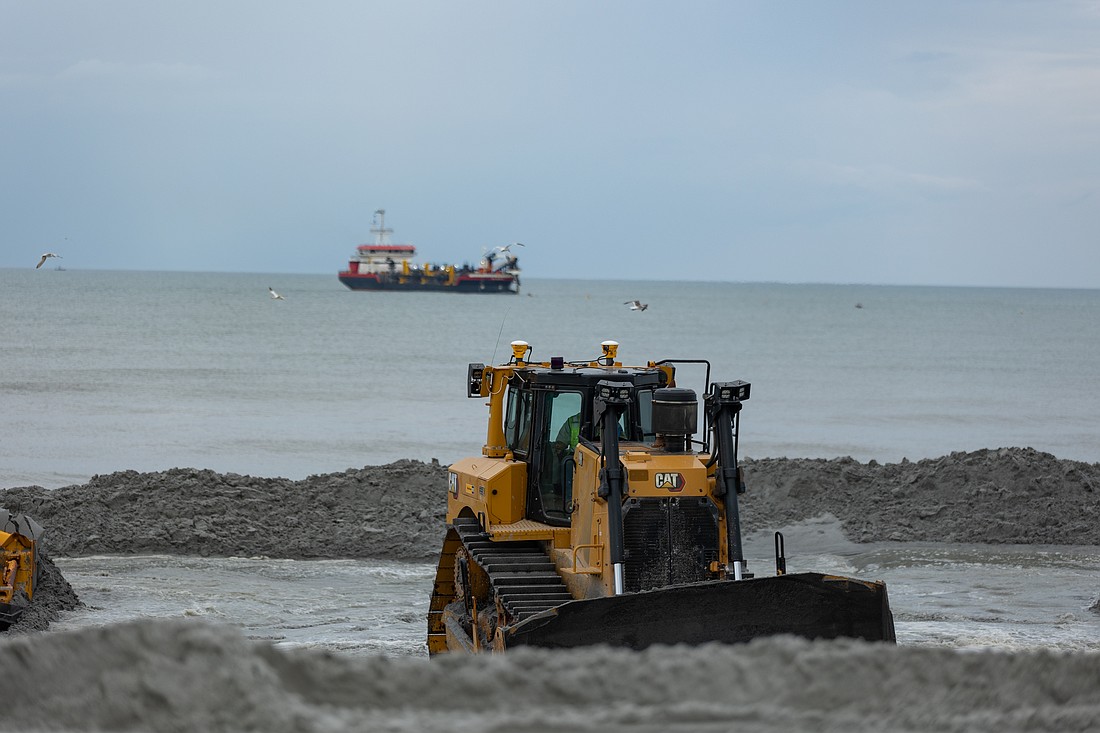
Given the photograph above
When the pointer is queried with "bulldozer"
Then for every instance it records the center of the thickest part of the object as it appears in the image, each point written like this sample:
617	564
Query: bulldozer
19	565
602	510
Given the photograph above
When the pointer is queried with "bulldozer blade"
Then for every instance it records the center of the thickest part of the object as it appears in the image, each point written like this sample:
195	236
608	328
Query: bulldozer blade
810	605
10	613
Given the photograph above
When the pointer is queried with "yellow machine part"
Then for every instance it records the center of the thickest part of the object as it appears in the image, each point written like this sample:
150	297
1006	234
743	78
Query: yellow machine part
509	575
492	488
16	566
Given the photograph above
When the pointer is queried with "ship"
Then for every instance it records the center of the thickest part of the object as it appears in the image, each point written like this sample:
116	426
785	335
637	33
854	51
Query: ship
384	265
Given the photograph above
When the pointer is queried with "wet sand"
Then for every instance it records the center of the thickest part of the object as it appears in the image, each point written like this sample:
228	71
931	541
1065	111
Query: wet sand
396	511
192	675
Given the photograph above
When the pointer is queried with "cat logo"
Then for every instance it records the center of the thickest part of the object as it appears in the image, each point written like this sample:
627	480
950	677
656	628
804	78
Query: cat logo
669	481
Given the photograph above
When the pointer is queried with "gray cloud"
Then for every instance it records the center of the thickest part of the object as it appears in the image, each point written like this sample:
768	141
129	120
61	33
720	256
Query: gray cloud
151	72
218	136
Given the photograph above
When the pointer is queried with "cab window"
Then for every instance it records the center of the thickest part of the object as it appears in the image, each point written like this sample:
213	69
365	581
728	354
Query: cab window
562	427
624	427
517	421
644	399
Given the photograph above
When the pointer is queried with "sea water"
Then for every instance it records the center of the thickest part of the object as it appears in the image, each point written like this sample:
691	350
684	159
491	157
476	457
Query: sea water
946	595
107	371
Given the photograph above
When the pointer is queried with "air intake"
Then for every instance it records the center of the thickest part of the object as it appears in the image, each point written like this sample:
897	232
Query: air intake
675	417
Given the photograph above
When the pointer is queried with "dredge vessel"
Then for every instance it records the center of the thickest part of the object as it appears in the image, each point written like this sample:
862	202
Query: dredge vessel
386	266
594	516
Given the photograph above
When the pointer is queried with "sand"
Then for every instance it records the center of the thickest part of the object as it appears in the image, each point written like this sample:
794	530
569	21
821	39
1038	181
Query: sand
396	511
1004	496
189	674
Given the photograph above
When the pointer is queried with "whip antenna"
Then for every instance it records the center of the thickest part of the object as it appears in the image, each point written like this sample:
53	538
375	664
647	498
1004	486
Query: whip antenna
502	320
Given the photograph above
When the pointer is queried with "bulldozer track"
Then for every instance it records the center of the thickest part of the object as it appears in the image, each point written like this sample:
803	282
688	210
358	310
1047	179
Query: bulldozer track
521	575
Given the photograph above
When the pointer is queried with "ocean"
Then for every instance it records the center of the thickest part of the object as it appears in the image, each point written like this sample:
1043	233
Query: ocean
109	371
106	371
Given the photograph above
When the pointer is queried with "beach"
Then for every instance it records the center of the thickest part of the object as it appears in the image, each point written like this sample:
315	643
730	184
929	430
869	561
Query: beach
396	511
186	674
214	563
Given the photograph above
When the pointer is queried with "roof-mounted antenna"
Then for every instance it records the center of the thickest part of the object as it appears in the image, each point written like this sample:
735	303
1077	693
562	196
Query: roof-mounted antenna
380	232
502	320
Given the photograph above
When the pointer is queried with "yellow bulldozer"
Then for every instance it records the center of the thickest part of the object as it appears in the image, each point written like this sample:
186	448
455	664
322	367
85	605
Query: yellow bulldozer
595	516
19	566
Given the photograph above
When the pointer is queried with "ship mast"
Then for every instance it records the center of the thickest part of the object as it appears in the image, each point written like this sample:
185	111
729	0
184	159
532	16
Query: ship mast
380	231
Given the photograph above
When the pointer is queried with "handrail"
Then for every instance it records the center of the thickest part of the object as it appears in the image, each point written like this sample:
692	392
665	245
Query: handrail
598	570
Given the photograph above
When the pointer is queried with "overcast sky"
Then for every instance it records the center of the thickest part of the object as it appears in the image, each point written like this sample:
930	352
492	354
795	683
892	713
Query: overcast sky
953	143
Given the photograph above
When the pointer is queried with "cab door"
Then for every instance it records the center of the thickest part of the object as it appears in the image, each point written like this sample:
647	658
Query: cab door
557	427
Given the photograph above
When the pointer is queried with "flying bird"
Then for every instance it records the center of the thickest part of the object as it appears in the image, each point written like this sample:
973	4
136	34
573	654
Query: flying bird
45	257
508	247
636	305
274	295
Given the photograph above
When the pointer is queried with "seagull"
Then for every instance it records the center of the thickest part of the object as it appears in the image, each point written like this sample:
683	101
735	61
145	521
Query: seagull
45	257
636	305
508	247
275	296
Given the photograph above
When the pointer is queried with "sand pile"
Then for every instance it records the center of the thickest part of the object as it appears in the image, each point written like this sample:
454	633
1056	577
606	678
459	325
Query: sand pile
396	511
1009	495
186	675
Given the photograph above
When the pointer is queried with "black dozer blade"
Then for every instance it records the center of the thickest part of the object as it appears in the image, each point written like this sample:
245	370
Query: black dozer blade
810	605
10	613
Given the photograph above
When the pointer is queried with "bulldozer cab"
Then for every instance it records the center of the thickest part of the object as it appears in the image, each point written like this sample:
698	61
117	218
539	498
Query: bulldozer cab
549	414
594	516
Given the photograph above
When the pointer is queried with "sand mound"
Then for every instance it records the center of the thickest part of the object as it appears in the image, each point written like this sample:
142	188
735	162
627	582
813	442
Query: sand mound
187	675
1010	495
396	511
